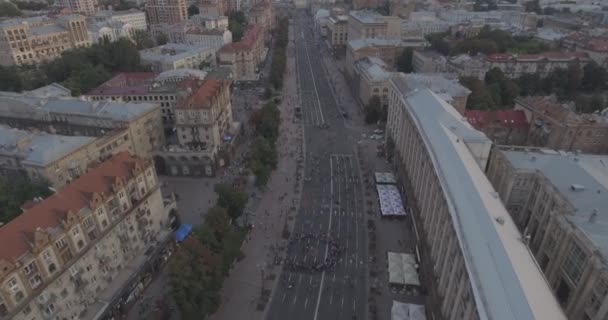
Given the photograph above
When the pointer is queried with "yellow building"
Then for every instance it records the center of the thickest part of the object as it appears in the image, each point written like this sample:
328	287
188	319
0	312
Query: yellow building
38	39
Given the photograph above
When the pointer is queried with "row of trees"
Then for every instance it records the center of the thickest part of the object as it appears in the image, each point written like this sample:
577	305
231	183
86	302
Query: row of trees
488	41
374	110
80	70
582	85
15	191
202	261
264	156
9	9
279	56
237	23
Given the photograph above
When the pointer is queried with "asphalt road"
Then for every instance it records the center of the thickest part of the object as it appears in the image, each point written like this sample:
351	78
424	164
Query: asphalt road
325	268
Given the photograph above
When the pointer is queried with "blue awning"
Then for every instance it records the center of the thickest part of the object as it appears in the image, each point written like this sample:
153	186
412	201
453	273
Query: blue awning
182	232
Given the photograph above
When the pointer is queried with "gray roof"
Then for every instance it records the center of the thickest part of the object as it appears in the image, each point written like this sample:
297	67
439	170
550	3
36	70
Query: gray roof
38	148
506	282
565	170
52	90
45	30
382	42
447	89
375	68
173	51
33	107
367	16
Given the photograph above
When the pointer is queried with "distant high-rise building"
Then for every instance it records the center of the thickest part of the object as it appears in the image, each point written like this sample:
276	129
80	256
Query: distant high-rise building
86	7
166	11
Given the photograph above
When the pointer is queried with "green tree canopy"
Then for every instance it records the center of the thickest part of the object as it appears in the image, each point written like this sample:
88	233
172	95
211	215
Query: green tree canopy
373	110
237	22
15	191
193	10
404	62
161	39
143	40
8	9
232	199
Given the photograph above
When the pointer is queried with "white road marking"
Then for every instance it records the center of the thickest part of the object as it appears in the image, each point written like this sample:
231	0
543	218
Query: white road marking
331	188
315	86
306	303
284	296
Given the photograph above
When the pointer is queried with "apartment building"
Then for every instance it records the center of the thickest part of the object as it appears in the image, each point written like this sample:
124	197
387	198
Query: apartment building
55	158
557	126
465	65
166	11
173	56
428	61
214	7
210	21
261	14
85	7
34	40
76	117
388	50
213	38
136	19
72	253
471	250
542	64
371	77
204	129
365	24
245	55
421	23
503	127
558	201
337	31
147	87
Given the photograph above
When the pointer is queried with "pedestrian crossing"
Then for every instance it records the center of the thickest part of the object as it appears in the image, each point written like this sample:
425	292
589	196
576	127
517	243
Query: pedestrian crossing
311	110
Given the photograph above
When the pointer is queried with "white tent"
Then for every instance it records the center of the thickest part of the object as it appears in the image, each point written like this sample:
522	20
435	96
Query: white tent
407	311
390	200
402	269
385	178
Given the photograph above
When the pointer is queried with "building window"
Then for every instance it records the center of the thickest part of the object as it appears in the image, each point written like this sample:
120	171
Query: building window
75	232
60	244
29	268
35	281
100	211
46	255
575	263
12	285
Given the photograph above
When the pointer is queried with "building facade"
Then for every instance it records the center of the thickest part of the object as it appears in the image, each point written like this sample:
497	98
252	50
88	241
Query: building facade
388	50
166	11
337	31
365	24
556	126
261	14
133	17
72	252
428	62
371	77
244	56
542	64
85	7
203	127
75	117
213	38
34	40
558	201
55	158
469	246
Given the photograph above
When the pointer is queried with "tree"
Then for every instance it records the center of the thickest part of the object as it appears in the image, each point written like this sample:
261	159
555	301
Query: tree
193	10
404	62
161	39
233	200
10	79
236	24
494	75
438	43
594	77
529	84
8	9
15	191
266	121
480	98
263	152
373	110
509	91
143	40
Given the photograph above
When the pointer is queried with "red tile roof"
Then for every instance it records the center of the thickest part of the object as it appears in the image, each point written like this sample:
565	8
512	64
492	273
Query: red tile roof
125	83
249	38
198	93
507	118
50	212
598	45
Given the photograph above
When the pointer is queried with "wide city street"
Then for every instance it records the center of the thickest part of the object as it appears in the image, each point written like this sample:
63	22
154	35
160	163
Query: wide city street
325	269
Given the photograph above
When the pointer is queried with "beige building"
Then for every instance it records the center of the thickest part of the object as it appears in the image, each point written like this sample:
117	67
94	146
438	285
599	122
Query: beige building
388	50
427	61
371	78
86	7
337	31
542	64
75	117
34	40
166	11
172	56
471	251
244	56
558	201
261	14
55	158
71	254
556	126
365	24
203	126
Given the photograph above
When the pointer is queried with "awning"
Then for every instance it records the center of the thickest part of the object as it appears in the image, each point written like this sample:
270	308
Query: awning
390	200
402	269
407	311
385	178
182	232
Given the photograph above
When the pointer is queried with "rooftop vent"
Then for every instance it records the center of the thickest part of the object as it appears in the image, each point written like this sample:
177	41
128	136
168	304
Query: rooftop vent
593	216
500	220
577	187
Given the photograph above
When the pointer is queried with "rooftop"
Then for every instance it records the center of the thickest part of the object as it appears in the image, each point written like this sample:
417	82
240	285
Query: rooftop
173	51
553	56
74	197
506	118
140	83
198	93
549	107
445	88
381	42
38	148
31	107
374	68
367	16
565	170
46	30
506	282
52	90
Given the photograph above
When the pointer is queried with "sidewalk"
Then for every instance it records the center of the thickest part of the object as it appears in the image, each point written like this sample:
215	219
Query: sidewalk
244	294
